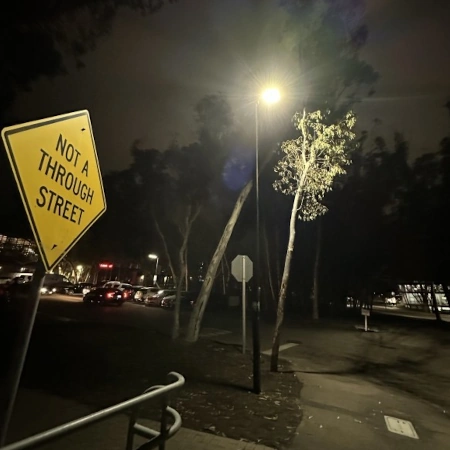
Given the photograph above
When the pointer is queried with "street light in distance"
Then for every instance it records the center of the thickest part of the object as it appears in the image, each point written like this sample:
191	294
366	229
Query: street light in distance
156	257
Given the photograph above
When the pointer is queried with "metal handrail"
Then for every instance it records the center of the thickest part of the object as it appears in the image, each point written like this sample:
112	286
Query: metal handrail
150	394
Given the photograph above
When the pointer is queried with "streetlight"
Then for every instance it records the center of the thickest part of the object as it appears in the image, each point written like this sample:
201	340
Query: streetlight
153	256
269	96
79	272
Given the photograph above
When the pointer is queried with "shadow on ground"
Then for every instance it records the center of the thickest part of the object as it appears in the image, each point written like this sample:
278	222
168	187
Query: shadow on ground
100	364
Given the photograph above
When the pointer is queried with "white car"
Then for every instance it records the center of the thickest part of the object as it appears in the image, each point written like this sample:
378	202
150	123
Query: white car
391	301
118	285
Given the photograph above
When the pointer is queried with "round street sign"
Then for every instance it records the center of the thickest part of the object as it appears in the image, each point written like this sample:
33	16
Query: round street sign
242	268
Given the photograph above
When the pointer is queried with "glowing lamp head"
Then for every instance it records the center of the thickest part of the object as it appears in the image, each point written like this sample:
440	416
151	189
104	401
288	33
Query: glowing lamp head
271	95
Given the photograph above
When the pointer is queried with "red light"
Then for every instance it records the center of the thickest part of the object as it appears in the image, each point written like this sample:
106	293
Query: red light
105	266
125	294
110	295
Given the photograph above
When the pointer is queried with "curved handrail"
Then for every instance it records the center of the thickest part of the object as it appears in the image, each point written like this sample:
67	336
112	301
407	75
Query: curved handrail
70	427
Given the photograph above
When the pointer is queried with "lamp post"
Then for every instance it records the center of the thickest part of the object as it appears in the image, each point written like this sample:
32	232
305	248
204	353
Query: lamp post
153	256
79	272
269	96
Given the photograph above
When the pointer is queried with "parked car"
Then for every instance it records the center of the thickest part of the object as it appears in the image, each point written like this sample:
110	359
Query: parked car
155	299
144	293
187	300
83	288
125	288
57	284
104	296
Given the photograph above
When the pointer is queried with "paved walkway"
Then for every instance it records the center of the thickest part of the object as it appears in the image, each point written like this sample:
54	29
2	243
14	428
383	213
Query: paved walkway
36	411
343	411
347	398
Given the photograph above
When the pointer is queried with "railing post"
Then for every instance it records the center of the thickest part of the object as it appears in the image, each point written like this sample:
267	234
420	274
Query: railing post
163	428
130	433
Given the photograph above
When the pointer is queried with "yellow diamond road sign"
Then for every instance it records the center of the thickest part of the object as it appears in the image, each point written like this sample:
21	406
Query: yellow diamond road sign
56	168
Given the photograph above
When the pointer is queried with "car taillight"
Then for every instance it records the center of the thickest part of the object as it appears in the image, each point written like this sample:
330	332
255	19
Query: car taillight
125	294
110	295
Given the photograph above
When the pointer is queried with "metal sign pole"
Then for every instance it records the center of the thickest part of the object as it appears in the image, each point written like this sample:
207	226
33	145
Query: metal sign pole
23	339
365	323
244	307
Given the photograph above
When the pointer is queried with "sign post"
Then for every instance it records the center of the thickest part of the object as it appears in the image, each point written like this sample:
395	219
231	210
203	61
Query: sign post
366	313
55	165
242	270
244	308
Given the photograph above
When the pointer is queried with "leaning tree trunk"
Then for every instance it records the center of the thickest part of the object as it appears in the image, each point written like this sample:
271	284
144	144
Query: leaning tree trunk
435	305
166	248
202	300
284	284
315	293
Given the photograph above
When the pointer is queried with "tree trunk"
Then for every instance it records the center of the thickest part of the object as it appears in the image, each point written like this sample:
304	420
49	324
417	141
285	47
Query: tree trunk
228	272
315	294
176	315
166	248
277	252
203	297
435	305
72	270
222	267
284	284
186	272
186	231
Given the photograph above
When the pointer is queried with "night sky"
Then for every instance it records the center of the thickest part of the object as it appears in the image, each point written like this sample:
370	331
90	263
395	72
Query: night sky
143	80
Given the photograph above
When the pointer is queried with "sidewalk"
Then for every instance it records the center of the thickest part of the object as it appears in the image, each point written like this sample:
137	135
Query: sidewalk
353	380
36	411
343	411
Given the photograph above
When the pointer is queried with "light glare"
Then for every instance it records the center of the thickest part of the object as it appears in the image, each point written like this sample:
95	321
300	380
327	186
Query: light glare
271	95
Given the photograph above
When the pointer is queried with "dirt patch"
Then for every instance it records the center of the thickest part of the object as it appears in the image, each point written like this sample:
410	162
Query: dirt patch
102	365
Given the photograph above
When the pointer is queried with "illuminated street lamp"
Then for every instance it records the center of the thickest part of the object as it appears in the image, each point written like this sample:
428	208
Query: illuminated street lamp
269	96
79	272
153	256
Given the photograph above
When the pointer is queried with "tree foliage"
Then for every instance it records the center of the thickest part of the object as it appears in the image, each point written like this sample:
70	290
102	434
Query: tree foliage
37	38
313	160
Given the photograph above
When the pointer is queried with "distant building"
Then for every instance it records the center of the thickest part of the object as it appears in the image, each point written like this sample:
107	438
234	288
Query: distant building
418	295
17	255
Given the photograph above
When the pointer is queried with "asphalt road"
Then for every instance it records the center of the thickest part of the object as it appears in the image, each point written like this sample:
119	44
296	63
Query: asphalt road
353	382
72	308
130	314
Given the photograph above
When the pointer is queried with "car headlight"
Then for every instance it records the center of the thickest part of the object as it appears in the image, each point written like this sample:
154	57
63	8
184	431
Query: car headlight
44	290
54	290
